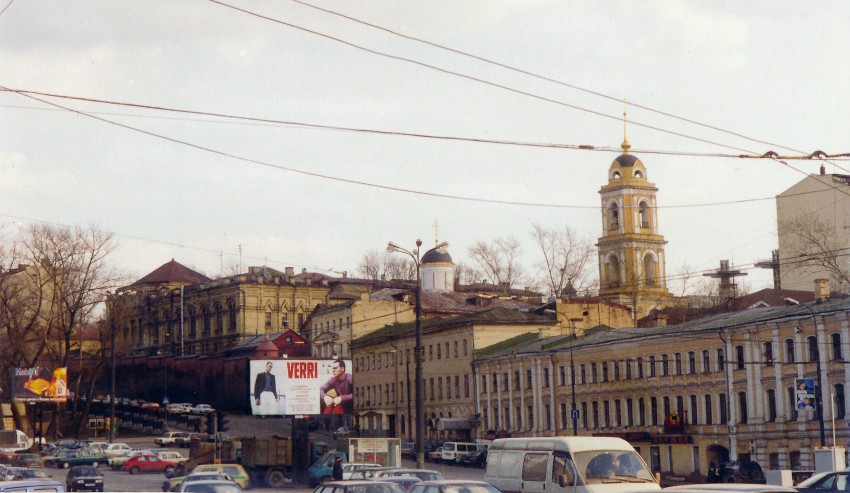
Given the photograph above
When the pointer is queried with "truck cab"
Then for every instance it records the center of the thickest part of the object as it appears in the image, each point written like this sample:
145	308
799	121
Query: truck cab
322	469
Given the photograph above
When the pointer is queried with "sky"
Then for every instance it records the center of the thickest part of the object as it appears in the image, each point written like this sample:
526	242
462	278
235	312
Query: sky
702	81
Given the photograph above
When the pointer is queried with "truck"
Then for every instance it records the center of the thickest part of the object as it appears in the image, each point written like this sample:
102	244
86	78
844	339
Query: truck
14	441
270	460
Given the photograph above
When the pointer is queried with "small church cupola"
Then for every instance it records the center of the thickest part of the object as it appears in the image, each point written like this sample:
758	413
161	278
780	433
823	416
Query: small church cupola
438	271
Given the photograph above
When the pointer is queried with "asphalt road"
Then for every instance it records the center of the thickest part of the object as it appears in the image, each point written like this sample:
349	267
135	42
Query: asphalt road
239	426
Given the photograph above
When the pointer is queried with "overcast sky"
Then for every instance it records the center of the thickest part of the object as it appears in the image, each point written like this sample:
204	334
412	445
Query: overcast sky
196	188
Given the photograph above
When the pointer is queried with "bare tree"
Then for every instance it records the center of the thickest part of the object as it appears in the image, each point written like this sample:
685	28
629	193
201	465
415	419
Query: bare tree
814	247
467	274
564	259
499	261
376	265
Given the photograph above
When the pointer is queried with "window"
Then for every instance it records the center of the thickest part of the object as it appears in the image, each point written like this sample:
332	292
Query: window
838	392
640	367
644	214
666	401
694	410
665	366
530	417
593	378
653	410
649	270
709	414
721	360
771	406
742	407
836	346
584	415
652	366
604	371
439	351
678	357
706	361
464	347
534	467
613	216
739	352
595	406
439	387
545	377
724	409
455	346
562	376
796	463
495	381
483	383
528	379
767	353
516	380
692	362
466	385
618	413
789	350
812	343
628	369
606	406
641	412
613	271
583	374
563	415
630	417
792	399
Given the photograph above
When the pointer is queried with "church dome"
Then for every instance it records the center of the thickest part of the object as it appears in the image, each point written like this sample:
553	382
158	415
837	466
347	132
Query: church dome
436	257
626	160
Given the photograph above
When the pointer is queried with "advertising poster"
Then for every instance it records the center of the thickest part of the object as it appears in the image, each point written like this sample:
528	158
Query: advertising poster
805	394
301	386
40	384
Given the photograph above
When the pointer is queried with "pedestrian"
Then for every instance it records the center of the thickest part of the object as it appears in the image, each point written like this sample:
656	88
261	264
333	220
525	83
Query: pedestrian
337	471
713	473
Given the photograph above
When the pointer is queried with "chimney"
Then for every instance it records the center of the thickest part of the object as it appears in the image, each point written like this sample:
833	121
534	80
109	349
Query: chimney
289	271
822	170
821	290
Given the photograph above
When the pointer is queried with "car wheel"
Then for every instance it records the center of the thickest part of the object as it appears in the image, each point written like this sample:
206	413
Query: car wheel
135	470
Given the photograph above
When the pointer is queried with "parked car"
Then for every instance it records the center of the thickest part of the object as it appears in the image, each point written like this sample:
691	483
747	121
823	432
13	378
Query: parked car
476	458
406	482
363	486
350	467
114	449
435	455
201	409
147	463
454	486
825	481
173	484
78	457
210	486
729	488
171	456
408	450
422	474
169	438
741	472
84	478
32	485
235	471
31	473
29	459
116	462
177	408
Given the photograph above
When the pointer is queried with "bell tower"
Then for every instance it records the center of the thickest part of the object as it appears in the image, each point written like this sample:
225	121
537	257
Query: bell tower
632	268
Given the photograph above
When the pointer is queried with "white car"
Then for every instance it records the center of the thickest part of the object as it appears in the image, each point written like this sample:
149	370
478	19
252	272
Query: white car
169	438
115	449
350	467
201	409
171	456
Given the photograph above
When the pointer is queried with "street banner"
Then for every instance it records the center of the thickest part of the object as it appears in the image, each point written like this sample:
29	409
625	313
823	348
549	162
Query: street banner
805	393
300	387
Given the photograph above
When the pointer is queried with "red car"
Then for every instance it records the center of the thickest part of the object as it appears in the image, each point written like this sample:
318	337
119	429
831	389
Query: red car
148	463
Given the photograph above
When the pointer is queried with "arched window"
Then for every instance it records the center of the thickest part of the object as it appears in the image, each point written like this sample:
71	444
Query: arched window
771	405
742	407
839	400
616	175
638	173
613	216
644	214
739	351
231	324
649	270
613	271
789	350
812	342
836	346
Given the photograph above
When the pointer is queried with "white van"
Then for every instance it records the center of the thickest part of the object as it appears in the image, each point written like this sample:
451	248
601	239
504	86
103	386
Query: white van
452	450
567	465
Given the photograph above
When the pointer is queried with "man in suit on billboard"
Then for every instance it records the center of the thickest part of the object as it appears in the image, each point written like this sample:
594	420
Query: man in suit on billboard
265	391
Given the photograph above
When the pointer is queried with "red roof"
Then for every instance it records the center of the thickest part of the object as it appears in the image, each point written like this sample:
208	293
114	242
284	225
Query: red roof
173	272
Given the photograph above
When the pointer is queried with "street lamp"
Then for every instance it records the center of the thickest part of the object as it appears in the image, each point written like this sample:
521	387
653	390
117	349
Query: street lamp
417	351
573	410
111	298
819	394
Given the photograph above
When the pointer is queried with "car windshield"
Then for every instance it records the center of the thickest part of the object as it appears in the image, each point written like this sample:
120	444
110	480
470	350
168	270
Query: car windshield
814	480
222	487
86	471
608	466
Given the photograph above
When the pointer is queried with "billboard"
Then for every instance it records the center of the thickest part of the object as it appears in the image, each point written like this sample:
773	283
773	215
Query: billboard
805	394
40	384
300	386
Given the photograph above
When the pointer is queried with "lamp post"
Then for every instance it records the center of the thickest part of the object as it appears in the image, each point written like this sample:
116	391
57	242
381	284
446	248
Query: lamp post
111	298
819	393
417	351
573	410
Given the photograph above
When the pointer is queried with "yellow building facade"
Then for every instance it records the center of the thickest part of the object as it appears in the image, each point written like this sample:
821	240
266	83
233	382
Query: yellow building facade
730	380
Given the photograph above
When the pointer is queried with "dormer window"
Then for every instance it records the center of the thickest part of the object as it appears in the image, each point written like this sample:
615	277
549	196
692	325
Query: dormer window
616	175
638	174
